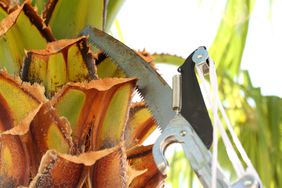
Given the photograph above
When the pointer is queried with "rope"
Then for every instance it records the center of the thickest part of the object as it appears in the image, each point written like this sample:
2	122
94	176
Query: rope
215	139
236	163
242	152
215	104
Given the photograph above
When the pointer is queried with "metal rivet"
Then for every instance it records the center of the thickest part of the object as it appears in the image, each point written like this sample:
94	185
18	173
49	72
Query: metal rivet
183	133
199	56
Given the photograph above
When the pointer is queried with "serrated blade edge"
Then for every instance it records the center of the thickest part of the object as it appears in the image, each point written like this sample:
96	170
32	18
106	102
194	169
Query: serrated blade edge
155	90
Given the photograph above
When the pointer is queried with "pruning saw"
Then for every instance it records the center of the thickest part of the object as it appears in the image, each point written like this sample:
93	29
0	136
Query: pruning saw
180	112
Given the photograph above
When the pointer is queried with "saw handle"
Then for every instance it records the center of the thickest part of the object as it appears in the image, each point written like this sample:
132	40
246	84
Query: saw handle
193	105
180	131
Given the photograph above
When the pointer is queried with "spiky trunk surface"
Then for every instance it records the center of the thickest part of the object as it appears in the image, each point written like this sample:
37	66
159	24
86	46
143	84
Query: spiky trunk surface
61	125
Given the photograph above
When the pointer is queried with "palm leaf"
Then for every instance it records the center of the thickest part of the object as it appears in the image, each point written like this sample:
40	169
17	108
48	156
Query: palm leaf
61	62
74	15
16	31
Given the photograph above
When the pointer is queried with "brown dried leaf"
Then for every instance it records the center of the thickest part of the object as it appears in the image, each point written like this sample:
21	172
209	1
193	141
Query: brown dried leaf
140	125
9	5
28	10
19	103
14	162
108	130
89	158
84	103
146	56
48	131
62	170
21	30
141	158
55	171
110	171
23	126
132	174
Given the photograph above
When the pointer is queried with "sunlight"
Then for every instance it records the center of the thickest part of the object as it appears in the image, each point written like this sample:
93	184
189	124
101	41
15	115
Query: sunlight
179	28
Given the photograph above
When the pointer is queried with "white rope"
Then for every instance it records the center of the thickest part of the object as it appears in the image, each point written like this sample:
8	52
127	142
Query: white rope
236	140
231	130
237	165
233	155
234	137
228	146
215	104
215	139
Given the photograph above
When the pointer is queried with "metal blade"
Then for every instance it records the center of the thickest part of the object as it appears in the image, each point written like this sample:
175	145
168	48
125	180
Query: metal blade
155	90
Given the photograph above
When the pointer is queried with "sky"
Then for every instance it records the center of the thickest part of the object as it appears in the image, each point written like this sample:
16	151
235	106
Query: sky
180	26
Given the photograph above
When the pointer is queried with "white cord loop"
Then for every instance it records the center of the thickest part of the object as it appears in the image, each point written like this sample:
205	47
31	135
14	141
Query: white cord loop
215	103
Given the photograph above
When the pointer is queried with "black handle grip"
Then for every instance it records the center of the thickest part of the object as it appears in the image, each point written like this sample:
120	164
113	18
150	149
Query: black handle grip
193	106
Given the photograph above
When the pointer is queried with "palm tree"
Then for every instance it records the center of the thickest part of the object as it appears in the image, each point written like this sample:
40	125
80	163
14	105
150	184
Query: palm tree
61	125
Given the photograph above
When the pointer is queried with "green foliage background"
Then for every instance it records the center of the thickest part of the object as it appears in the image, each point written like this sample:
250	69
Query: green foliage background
256	118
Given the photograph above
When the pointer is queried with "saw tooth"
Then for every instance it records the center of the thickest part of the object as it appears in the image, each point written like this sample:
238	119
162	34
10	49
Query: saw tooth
138	92
159	128
137	97
157	121
154	117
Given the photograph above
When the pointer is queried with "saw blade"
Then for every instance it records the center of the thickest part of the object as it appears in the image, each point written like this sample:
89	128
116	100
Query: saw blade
156	92
154	89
